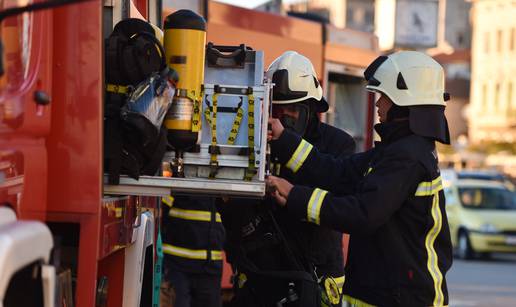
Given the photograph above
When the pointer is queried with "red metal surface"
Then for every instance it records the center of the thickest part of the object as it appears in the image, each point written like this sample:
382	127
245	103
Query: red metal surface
113	268
118	216
11	177
143	7
75	141
23	155
28	61
226	275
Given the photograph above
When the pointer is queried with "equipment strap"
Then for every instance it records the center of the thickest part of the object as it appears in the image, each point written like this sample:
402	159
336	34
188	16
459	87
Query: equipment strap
118	89
236	122
214	164
250	171
196	116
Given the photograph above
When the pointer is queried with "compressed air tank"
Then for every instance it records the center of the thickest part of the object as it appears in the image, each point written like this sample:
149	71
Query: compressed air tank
184	42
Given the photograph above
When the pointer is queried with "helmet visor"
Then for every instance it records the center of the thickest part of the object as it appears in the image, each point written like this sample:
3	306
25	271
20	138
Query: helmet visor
281	89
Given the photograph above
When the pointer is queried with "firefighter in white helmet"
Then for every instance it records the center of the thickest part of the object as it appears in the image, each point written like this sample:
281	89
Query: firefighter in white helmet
306	249
400	248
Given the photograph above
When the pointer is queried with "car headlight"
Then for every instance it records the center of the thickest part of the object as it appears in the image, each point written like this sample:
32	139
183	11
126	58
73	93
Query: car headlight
488	228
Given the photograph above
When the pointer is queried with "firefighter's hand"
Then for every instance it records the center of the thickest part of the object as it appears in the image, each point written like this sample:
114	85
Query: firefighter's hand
279	188
275	129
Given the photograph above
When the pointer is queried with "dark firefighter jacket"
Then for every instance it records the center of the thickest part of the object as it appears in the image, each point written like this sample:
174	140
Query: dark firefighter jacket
320	246
400	248
193	235
251	234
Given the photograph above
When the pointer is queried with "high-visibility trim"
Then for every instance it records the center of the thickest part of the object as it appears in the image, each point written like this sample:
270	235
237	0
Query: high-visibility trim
169	200
199	254
193	215
355	302
314	206
369	170
298	158
429	188
340	282
117	89
242	279
251	169
432	262
196	115
332	290
236	126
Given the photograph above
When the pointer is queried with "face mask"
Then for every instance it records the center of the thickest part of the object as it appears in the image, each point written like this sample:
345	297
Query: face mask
299	124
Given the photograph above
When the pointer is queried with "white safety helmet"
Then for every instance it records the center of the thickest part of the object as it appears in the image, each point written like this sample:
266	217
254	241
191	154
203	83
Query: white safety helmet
295	80
408	78
414	80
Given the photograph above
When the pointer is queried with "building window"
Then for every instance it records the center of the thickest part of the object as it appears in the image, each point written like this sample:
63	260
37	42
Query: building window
486	42
499	40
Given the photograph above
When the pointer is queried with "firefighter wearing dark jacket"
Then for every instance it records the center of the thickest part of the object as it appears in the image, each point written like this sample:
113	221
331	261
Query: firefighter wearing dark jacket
297	101
193	237
400	248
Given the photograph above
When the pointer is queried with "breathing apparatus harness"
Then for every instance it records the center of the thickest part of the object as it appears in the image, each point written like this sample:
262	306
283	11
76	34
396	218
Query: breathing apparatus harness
132	145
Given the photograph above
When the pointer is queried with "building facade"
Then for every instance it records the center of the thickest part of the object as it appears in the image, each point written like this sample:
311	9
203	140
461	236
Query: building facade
492	115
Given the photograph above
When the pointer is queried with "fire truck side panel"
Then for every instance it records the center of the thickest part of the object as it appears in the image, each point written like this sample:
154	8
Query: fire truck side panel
75	142
25	184
28	61
113	265
23	155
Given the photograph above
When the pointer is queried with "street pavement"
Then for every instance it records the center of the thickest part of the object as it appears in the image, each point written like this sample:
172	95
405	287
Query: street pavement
485	283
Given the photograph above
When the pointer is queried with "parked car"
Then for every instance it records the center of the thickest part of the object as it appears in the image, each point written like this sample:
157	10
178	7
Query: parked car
480	174
481	215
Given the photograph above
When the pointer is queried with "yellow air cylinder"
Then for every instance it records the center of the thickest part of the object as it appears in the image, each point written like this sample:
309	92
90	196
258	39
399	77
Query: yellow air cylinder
184	42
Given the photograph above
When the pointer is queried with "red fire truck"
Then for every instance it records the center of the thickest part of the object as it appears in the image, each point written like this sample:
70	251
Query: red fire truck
60	230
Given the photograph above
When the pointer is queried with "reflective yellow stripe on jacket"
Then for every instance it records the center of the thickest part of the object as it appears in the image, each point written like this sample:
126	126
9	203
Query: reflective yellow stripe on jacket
340	282
169	200
298	158
354	302
313	210
199	254
193	215
432	189
429	188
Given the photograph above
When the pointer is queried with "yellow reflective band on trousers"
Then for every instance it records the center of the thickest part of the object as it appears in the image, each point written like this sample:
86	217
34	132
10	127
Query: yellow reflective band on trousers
199	254
298	158
193	215
432	189
354	302
429	188
314	206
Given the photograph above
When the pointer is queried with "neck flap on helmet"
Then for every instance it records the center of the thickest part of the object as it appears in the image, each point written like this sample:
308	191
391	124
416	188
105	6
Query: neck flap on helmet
429	121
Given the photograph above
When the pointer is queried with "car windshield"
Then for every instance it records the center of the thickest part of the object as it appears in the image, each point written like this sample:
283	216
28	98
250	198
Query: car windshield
487	198
480	176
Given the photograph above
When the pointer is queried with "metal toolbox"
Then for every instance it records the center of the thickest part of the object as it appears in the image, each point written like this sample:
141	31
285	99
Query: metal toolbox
234	113
229	160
